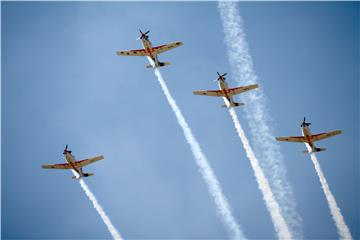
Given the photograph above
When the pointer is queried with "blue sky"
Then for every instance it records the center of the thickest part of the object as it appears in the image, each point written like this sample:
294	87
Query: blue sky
62	83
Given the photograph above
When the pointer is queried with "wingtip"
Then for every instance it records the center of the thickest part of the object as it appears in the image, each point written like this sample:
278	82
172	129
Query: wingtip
254	86
100	157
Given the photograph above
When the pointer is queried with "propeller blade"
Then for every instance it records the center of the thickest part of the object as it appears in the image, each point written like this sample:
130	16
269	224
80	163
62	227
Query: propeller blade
65	150
303	123
221	75
141	34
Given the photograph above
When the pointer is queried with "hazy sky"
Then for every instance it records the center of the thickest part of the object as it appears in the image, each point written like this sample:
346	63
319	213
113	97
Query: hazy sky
62	83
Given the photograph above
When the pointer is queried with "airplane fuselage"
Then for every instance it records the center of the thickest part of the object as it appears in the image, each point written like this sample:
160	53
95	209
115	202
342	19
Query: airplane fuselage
71	160
148	48
225	90
307	134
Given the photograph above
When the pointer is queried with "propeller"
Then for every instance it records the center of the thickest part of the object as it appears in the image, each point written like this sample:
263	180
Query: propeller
304	123
143	34
146	32
220	76
66	150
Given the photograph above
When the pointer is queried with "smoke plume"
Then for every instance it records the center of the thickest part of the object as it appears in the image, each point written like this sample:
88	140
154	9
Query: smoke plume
271	204
268	151
222	205
338	218
115	234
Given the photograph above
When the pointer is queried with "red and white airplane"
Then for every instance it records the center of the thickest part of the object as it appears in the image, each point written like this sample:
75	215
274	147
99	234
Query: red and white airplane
226	92
309	138
73	164
150	51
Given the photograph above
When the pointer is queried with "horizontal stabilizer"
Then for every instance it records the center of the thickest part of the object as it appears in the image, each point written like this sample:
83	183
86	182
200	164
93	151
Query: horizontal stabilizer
235	104
319	149
314	151
85	175
161	64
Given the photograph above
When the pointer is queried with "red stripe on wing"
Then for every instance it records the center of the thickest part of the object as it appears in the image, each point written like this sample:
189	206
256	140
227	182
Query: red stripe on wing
214	91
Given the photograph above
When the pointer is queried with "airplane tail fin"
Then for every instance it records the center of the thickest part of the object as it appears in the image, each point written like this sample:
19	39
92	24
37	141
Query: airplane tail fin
233	104
316	150
161	64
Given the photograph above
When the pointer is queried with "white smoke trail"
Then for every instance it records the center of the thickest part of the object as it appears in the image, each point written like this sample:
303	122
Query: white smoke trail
268	152
206	171
115	234
273	207
338	218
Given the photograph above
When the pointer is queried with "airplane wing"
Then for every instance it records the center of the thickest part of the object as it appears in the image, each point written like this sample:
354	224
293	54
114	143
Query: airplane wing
57	166
214	93
234	91
317	137
291	139
88	161
138	52
166	47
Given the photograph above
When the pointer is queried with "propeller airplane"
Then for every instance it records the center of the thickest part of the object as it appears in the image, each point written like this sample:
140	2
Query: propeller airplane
309	138
73	164
226	92
150	51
